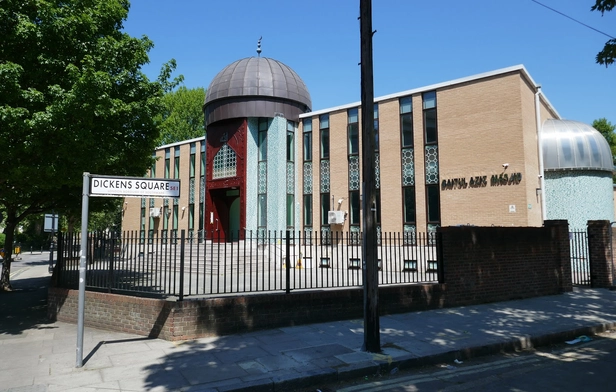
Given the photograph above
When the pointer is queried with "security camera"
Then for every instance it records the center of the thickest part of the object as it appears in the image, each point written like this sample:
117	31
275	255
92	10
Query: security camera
340	201
505	165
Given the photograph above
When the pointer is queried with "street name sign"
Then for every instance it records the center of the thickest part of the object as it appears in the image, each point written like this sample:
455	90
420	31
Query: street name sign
109	186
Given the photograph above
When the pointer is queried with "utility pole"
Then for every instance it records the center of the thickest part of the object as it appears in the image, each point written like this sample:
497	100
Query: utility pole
372	337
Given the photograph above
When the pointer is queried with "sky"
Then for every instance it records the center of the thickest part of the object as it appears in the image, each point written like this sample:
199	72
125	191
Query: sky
416	44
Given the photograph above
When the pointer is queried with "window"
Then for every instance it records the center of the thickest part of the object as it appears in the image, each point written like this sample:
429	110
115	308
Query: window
307	210
262	172
224	164
176	162
290	210
262	143
193	150
307	173
354	204
290	175
353	131
290	142
433	208
262	211
409	204
324	209
324	170
406	121
167	162
307	128
324	128
202	192
429	106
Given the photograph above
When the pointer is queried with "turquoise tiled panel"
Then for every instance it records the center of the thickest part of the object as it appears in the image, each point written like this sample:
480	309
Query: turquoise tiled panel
277	174
579	196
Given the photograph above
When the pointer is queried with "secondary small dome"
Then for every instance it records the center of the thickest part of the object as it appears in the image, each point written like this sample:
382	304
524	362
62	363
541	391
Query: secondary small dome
572	145
256	87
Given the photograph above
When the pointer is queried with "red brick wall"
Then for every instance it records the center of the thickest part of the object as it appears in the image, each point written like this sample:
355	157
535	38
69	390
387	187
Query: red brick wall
489	264
481	264
600	254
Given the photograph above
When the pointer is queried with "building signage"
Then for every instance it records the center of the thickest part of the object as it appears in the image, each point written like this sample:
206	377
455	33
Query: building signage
134	187
481	181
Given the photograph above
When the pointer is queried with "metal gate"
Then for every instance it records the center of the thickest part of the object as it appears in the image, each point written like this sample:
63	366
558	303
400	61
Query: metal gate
580	262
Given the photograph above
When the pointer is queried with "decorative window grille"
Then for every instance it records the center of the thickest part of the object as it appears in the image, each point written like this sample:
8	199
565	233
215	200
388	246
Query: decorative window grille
225	163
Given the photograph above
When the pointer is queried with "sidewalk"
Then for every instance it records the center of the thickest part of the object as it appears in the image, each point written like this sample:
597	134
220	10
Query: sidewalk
40	356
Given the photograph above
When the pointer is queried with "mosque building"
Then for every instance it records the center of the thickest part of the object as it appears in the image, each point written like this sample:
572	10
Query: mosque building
485	150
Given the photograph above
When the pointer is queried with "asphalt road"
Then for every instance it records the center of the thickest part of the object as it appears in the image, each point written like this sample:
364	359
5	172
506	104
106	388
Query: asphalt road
583	366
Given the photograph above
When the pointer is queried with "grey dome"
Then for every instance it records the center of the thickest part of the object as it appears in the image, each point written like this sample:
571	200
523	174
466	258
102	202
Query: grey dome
256	87
572	145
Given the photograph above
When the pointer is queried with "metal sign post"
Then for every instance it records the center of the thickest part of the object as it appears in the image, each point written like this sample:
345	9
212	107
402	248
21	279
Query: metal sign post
83	252
110	186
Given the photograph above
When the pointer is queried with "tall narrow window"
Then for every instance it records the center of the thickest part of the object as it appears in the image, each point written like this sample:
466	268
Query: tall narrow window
262	173
202	193
167	162
290	175
353	131
191	189
408	168
307	173
431	161
176	162
324	174
354	170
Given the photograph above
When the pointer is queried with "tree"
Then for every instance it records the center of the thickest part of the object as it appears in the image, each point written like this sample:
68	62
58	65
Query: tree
607	55
182	118
607	130
73	99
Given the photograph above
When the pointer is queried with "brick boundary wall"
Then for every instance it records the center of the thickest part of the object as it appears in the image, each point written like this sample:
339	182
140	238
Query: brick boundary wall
481	264
490	264
600	254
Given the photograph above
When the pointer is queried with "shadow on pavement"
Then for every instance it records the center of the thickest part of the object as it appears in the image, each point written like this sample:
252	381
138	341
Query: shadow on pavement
25	307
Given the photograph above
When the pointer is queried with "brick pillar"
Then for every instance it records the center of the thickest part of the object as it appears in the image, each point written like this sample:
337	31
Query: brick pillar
600	254
559	230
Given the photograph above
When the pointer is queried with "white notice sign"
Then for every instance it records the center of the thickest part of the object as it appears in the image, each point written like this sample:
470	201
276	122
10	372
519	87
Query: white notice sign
133	187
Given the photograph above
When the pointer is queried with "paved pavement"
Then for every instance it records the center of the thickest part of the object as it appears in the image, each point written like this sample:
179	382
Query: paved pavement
38	355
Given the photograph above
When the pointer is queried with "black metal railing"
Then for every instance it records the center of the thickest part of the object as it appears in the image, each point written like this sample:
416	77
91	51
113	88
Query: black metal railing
580	261
165	264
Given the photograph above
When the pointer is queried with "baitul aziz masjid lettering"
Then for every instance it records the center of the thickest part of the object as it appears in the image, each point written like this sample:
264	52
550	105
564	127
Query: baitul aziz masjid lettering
502	179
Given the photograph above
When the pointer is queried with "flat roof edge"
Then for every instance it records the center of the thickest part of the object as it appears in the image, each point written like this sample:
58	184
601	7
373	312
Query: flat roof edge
502	71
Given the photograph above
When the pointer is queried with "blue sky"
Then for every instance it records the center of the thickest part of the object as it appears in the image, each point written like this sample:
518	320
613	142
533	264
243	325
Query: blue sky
417	43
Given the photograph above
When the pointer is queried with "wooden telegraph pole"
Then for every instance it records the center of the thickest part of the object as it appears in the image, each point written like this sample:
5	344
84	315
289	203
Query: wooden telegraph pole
372	339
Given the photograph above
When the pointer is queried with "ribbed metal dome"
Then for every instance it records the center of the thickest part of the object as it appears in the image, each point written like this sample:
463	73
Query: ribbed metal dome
256	87
572	145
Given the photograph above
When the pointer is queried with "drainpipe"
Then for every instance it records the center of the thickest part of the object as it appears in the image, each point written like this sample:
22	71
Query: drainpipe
540	147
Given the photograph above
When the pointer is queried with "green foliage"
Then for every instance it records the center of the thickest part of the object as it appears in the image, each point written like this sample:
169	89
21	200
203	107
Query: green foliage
2	239
608	54
607	130
182	117
110	219
33	236
73	99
